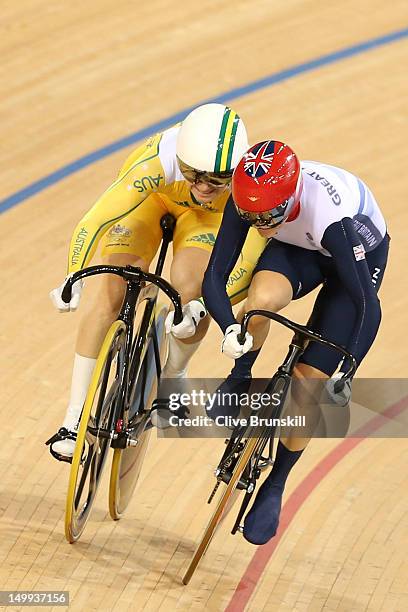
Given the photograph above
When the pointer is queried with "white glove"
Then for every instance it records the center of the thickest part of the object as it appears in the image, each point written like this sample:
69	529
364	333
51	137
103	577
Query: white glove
342	398
193	312
57	300
230	345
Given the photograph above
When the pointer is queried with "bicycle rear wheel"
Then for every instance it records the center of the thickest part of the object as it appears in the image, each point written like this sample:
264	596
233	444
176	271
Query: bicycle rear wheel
222	506
94	433
127	463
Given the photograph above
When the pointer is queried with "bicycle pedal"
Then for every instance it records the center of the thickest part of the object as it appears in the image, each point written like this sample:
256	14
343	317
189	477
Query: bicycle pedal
62	434
163	417
265	463
160	417
59	457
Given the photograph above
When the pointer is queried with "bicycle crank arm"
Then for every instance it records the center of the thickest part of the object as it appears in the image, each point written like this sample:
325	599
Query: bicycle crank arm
245	502
119	440
99	433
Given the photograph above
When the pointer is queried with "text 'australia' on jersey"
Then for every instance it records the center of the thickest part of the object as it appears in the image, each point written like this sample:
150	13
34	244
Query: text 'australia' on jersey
151	168
329	195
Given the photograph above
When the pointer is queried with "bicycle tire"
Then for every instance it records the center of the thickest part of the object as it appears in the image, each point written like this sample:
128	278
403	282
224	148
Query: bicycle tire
127	463
250	445
91	450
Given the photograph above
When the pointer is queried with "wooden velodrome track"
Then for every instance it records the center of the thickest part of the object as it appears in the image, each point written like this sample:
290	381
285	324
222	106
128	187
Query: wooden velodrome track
78	76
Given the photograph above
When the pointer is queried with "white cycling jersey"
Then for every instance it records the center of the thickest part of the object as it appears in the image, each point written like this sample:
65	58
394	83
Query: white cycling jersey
329	195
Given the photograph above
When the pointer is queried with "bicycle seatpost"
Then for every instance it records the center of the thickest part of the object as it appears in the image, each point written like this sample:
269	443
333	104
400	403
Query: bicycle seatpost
167	223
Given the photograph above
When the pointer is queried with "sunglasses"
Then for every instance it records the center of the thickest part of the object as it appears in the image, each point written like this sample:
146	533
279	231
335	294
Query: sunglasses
215	179
267	219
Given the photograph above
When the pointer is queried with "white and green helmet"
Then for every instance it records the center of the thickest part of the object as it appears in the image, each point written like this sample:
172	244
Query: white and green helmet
212	138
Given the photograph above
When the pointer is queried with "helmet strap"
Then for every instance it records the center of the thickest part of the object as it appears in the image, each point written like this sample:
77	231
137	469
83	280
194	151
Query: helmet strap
294	213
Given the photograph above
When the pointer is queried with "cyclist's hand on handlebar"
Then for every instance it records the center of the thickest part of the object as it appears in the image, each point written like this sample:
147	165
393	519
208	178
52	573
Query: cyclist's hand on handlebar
231	347
193	312
339	393
56	296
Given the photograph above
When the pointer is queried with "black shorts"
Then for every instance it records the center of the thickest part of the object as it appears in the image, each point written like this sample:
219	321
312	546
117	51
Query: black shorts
334	314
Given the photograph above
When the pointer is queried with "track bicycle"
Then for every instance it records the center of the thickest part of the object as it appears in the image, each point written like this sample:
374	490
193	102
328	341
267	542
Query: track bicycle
249	450
122	390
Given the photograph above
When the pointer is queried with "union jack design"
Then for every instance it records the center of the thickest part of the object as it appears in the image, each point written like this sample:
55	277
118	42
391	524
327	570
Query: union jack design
258	162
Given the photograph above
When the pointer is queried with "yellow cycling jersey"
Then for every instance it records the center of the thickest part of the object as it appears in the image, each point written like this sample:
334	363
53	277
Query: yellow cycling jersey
151	168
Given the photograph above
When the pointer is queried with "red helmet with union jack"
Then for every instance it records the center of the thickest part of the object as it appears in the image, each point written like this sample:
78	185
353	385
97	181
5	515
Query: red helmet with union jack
267	184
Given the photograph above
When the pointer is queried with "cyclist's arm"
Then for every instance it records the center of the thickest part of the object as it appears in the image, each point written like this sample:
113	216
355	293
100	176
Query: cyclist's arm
339	239
129	190
230	240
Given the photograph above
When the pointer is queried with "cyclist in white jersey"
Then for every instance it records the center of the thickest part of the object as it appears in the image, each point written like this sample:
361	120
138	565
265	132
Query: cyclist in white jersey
324	229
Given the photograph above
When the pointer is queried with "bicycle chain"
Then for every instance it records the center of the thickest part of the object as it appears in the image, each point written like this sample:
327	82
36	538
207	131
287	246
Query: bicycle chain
221	473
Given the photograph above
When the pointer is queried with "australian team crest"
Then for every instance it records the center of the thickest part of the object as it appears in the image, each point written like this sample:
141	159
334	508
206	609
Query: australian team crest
259	160
119	231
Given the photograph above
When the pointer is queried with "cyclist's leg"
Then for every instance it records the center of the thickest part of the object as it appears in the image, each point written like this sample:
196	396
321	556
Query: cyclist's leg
193	239
104	304
334	316
262	521
132	241
186	275
280	275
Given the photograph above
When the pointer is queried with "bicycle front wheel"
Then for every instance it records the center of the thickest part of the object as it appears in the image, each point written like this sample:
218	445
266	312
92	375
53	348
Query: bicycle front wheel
222	506
95	432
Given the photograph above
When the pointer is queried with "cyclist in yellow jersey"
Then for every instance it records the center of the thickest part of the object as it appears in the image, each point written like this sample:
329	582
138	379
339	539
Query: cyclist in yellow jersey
185	171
